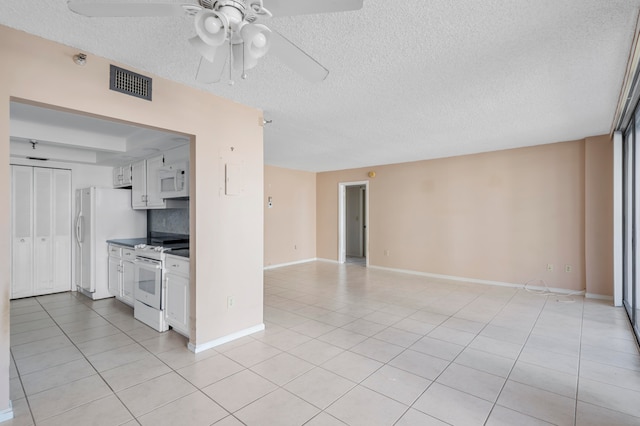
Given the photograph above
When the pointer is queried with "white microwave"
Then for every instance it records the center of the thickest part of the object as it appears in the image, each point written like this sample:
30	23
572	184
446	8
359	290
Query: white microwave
173	180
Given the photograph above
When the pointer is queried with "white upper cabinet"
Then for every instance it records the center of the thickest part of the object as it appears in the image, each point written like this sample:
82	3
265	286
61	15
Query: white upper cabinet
122	176
154	200
139	185
145	186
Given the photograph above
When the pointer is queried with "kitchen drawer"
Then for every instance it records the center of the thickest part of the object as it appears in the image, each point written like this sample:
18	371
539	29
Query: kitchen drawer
128	254
115	251
177	265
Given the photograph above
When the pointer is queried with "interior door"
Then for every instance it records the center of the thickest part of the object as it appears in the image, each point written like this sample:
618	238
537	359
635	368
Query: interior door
353	221
22	229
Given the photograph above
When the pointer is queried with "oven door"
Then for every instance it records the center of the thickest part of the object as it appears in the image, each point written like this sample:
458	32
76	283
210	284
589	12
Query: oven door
148	281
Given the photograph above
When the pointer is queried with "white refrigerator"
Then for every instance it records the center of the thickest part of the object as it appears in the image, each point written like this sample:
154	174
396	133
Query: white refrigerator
102	214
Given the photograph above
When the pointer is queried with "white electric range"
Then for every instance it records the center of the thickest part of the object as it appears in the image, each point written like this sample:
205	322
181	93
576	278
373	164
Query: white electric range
149	280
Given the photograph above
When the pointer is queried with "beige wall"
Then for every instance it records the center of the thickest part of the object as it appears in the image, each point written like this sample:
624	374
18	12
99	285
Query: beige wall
289	225
599	215
499	216
227	237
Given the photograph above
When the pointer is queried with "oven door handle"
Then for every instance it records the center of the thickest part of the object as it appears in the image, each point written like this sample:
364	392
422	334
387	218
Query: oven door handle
150	264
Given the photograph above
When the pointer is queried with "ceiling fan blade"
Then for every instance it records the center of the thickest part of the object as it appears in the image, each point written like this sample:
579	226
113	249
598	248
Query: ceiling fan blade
111	9
211	71
296	59
306	7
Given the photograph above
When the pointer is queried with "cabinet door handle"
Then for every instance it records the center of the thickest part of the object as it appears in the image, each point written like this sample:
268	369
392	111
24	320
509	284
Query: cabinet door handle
22	240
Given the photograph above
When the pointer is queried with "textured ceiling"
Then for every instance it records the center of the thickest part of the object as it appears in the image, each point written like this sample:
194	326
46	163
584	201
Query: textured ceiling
408	80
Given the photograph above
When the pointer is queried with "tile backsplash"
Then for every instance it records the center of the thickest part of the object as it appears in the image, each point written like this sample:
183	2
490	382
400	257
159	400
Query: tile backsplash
175	221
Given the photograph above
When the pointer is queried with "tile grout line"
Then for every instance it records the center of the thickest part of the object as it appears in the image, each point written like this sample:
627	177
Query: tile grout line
99	374
173	370
87	359
22	386
198	389
517	357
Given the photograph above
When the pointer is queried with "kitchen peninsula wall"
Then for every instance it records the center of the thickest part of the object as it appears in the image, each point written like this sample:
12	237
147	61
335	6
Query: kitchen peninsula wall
221	132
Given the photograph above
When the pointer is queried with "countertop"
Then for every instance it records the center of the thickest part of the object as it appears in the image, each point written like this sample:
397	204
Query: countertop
179	252
132	242
129	242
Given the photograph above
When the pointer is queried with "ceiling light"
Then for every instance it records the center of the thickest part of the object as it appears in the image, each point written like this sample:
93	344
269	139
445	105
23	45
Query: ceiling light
80	59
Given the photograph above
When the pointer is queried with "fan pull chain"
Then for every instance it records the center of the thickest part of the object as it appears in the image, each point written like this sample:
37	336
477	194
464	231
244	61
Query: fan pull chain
244	72
231	82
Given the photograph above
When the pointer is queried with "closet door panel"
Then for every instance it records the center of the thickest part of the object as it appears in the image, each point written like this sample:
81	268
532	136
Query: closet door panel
22	231
43	224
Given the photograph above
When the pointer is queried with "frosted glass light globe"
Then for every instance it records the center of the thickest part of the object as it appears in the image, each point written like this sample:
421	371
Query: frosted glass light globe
259	40
212	25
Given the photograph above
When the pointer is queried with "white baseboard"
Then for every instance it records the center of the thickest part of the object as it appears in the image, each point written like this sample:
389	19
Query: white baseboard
475	280
6	414
327	260
225	339
599	297
459	279
448	277
282	265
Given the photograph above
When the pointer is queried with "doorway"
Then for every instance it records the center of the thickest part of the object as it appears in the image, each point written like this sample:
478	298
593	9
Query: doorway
353	226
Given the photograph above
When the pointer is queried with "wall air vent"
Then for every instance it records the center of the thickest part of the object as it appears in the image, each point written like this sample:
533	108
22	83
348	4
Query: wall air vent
130	83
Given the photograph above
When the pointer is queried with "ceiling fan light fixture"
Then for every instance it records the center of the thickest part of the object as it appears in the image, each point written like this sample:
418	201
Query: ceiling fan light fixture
228	27
211	27
207	52
257	40
242	61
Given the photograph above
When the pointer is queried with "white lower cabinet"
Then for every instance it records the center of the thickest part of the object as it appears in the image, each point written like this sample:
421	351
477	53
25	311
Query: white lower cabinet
114	274
176	293
121	273
128	288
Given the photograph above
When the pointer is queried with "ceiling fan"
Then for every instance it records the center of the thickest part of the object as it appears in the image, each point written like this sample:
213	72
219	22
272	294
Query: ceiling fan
231	30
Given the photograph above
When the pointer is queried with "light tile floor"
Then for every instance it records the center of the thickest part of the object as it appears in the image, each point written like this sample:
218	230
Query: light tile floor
343	345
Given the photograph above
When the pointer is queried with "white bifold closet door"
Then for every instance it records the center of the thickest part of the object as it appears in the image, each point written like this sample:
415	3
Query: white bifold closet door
22	230
41	231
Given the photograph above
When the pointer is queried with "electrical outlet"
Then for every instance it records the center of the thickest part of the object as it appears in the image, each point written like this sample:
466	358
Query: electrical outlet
295	247
230	302
549	267
568	268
